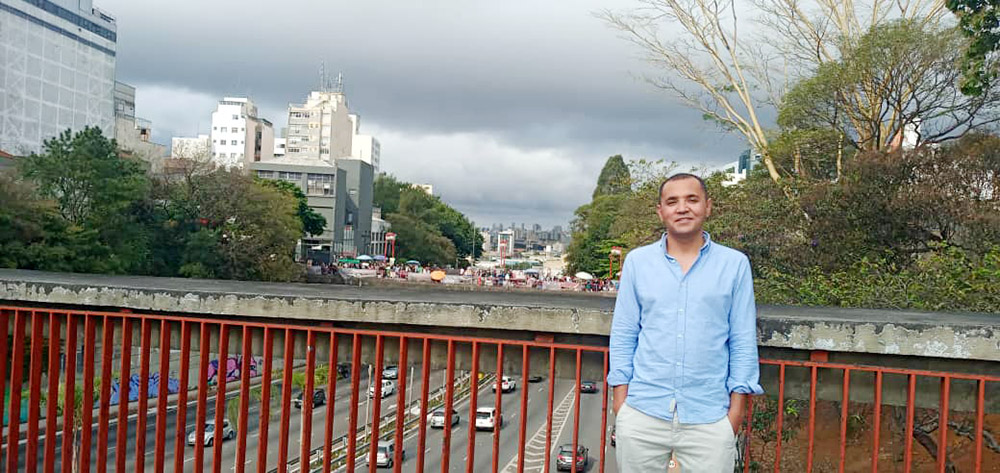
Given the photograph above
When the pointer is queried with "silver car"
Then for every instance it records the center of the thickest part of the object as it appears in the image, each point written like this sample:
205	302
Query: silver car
437	418
228	433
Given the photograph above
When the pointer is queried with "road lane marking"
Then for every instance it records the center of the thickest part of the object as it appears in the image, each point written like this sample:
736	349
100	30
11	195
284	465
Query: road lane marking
534	449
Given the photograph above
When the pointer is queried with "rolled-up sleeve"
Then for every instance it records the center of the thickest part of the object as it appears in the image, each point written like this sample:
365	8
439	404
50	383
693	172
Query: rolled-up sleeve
624	328
744	364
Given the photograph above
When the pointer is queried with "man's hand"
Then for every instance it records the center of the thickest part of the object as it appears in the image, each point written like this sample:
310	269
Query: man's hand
737	409
620	392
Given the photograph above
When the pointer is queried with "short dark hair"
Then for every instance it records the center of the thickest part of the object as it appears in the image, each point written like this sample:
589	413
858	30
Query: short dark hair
679	176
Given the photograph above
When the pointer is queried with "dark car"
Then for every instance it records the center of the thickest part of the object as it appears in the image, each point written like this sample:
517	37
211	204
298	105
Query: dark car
319	398
535	379
612	436
588	387
344	370
564	461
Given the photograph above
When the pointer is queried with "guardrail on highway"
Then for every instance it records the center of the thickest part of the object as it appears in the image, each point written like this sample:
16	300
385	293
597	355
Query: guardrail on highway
817	415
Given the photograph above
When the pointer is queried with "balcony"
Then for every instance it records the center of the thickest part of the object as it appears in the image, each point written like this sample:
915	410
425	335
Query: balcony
300	378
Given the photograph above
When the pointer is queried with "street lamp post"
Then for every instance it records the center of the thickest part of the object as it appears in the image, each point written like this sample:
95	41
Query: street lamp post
615	251
391	237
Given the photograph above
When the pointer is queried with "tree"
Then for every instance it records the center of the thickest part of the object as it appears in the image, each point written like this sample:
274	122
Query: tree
614	178
312	222
224	224
102	197
387	192
979	21
419	240
899	76
705	66
402	199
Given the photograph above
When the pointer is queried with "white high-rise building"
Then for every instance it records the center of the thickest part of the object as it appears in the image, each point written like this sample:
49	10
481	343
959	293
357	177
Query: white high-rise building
321	128
57	71
367	149
239	136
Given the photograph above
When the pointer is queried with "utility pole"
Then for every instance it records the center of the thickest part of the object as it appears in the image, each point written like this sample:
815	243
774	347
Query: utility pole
409	394
368	422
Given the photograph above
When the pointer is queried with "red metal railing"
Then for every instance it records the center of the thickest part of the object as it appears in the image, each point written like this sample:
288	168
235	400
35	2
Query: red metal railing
876	412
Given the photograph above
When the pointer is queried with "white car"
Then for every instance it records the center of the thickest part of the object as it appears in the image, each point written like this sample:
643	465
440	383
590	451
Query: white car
388	388
228	433
386	454
507	384
390	372
488	419
437	418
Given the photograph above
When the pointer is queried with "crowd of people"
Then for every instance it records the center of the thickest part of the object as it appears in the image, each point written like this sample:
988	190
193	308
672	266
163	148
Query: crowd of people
479	276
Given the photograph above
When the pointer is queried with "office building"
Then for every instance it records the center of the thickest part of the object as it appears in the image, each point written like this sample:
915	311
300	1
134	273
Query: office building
57	71
341	193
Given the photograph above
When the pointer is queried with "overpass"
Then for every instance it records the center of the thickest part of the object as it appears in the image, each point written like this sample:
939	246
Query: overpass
848	390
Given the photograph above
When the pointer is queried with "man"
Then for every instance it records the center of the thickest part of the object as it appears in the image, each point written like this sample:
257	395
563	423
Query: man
683	349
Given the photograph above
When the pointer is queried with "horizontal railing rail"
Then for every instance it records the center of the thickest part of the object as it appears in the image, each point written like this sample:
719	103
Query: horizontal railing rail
65	369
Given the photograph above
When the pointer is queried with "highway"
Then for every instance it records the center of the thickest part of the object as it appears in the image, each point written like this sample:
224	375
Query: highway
483	460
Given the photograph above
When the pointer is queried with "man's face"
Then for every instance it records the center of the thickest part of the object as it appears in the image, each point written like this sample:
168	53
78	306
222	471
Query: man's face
683	207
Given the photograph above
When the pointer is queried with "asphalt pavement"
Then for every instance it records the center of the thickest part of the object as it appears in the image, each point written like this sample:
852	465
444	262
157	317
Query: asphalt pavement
506	459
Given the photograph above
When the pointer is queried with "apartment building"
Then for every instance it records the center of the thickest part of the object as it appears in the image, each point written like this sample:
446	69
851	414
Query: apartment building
239	135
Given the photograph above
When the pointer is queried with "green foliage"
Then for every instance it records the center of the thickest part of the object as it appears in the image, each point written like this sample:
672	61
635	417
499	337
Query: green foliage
592	239
979	21
946	279
312	222
419	240
427	229
614	178
224	224
915	230
79	206
101	199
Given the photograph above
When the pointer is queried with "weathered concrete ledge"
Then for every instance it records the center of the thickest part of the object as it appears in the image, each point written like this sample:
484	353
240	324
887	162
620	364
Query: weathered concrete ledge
880	332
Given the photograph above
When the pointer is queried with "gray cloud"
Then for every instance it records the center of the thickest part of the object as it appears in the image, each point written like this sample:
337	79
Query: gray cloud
539	79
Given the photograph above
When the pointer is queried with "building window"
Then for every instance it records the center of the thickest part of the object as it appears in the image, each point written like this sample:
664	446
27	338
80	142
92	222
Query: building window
290	176
224	129
293	150
233	142
265	174
232	155
215	128
319	184
236	117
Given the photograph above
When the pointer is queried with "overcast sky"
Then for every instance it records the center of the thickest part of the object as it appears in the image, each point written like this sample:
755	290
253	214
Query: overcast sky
509	109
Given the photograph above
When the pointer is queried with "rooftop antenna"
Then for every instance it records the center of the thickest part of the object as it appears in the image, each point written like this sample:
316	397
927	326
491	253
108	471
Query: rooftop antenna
322	76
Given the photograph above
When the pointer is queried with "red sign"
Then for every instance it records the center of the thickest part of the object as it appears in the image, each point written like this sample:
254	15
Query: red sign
390	236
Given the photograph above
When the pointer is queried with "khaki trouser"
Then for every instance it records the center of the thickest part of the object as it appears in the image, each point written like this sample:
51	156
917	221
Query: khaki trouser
644	444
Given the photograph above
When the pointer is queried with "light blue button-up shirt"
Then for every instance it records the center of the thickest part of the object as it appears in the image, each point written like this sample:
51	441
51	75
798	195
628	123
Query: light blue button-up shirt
685	340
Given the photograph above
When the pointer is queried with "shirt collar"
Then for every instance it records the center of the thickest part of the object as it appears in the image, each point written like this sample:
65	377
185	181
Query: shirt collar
704	247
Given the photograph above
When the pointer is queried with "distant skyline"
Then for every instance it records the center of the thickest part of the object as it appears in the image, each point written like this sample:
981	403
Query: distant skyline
508	108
